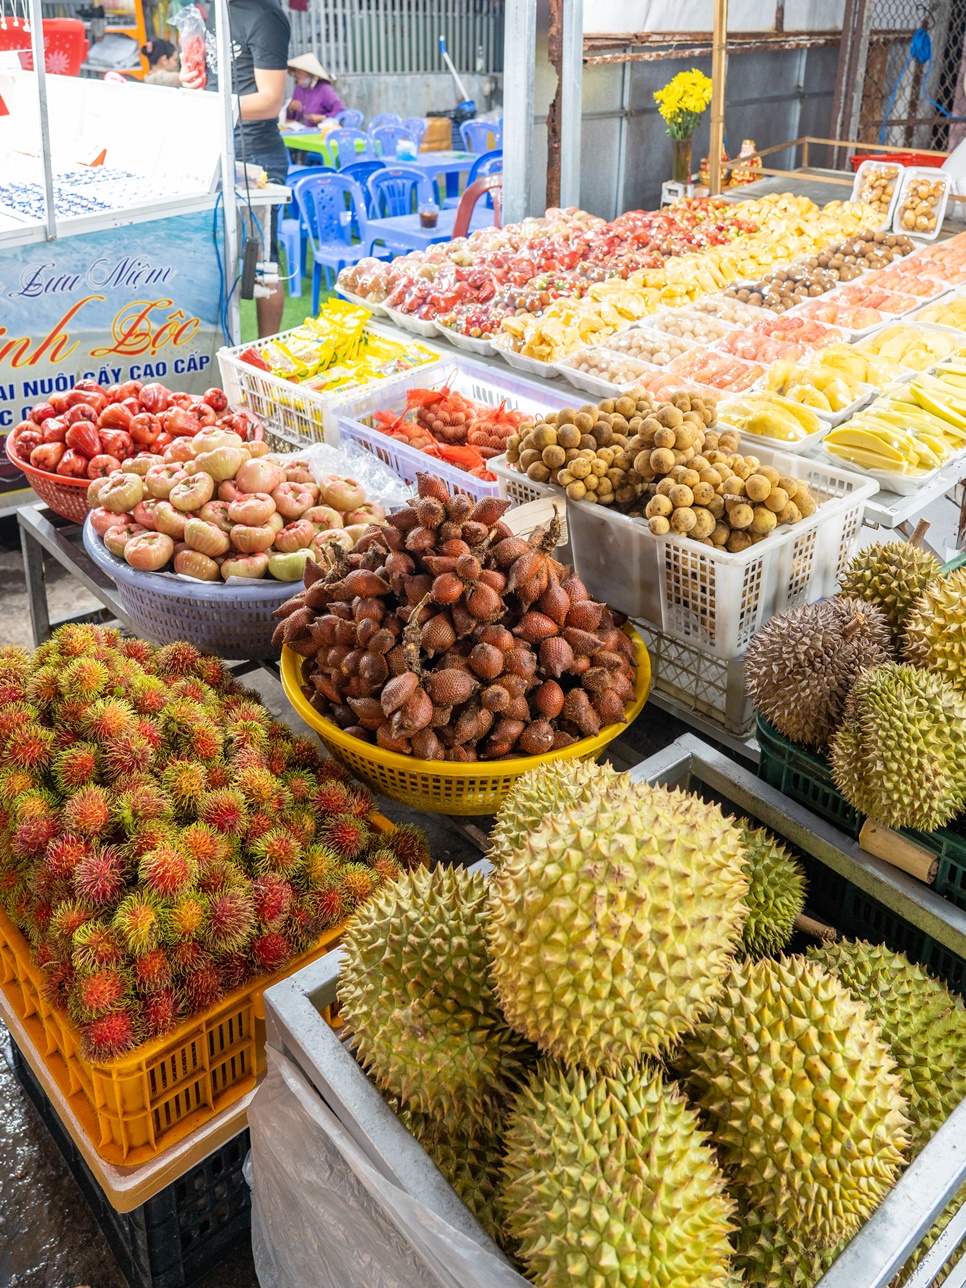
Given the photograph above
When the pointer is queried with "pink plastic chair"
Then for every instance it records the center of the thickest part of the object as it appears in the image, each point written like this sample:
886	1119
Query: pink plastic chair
491	183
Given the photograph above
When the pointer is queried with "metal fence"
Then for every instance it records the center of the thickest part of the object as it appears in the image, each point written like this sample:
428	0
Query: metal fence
398	36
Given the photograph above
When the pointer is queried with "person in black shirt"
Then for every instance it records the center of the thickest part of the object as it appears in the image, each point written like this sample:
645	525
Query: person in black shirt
260	33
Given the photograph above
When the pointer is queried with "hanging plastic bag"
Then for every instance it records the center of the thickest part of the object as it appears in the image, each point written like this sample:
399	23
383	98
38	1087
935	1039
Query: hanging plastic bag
191	27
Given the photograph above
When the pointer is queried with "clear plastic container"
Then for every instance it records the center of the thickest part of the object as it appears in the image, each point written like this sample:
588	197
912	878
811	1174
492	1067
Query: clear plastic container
917	175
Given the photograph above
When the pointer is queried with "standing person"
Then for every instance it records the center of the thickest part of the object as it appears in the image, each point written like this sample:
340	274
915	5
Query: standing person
313	98
165	63
260	35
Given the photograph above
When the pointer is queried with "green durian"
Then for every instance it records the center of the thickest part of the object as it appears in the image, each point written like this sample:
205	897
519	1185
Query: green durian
416	996
610	1184
776	892
898	755
892	576
471	1159
923	1023
803	1099
769	1257
613	925
935	636
540	793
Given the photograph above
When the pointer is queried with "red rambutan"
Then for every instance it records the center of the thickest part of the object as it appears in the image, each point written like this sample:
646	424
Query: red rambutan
270	952
160	1012
409	845
75	767
72	717
99	876
384	866
231	919
167	873
88	812
301	785
32	748
319	866
138	923
139	650
247	734
68	918
203	844
14	716
58	982
276	757
109	1036
361	802
109	718
202	989
212	671
43	687
301	823
11	690
273	897
258	824
256	784
143	802
151	971
329	770
96	994
16	783
221	874
218	775
34	803
358	883
276	851
149	731
178	659
332	798
148	696
190	689
184	919
30	838
85	678
148	836
236	970
328	906
126	757
205	741
186	781
304	753
301	927
95	944
75	639
224	810
189	956
346	835
40	917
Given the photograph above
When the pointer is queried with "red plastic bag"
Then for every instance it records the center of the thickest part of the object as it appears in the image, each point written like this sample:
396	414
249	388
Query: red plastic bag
191	25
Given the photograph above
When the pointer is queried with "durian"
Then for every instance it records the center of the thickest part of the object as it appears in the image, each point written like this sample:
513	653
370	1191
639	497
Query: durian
471	1159
613	926
898	755
776	892
802	1096
769	1257
418	1004
892	576
936	629
610	1184
540	793
801	664
923	1023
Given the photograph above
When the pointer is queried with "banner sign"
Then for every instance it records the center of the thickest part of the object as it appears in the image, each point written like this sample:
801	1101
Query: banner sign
133	303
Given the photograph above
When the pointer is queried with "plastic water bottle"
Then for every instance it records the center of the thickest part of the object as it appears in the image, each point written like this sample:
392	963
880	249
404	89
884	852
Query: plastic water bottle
405	150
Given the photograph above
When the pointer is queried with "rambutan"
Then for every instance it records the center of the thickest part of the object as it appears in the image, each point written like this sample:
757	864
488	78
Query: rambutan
16	783
99	876
256	784
329	906
139	650
276	851
109	718
247	734
148	836
39	918
358	883
30	838
43	687
143	802
167	873
160	1012
205	741
32	748
95	944
68	918
202	989
304	753
236	970
410	846
109	1036
178	659
258	824
184	919
138	923
75	639
347	836
224	810
301	926
276	757
186	781
191	689
58	982
127	756
361	802
319	866
85	678
332	798
219	875
148	696
384	866
72	717
75	767
88	812
329	770
13	717
301	785
247	758
231	919
149	731
212	671
151	971
11	690
218	775
98	993
203	844
302	824
189	956
270	952
35	803
273	897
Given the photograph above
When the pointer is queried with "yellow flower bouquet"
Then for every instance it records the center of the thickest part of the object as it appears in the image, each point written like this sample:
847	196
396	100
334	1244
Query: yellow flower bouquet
682	101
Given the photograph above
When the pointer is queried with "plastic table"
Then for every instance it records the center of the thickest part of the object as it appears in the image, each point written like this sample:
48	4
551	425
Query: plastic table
405	232
451	164
310	141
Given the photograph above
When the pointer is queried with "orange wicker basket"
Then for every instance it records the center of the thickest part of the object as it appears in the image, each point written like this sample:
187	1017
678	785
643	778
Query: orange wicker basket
65	496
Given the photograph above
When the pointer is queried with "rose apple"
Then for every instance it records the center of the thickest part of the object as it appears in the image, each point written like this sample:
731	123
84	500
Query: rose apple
117	537
144	513
251	538
356	531
255	565
192	563
102	519
191	492
216	399
72	465
290	567
342	494
99	467
169	520
323	517
334	537
222	463
161	480
251	507
149	551
216	512
293	499
368	513
261	475
295	536
206	537
298	472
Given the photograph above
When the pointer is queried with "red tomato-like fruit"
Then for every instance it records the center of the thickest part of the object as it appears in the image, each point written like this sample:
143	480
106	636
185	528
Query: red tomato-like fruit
73	464
84	438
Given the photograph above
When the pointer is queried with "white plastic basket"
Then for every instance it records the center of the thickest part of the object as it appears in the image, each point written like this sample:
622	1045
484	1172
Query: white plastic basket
713	687
708	596
483	384
233	621
295	416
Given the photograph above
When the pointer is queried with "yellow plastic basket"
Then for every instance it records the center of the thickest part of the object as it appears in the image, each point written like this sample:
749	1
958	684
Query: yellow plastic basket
438	786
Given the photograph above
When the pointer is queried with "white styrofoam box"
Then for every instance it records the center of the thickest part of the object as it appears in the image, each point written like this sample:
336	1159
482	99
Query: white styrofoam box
876	164
468	343
407	322
709	596
909	175
377	310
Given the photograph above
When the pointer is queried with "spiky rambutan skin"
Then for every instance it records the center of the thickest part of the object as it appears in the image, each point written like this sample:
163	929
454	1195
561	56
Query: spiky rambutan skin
16	783
75	639
87	812
149	836
69	917
160	1012
146	728
139	650
43	687
203	844
270	952
205	742
38	802
85	678
128	756
138	922
277	851
276	757
304	753
75	767
236	970
231	919
212	671
218	775
148	695
256	784
224	810
301	785
258	824
167	873
319	867
110	1035
40	915
384	866
32	748
221	874
184	918
191	689
186	781
273	896
95	945
176	659
346	835
361	802
143	802
31	837
12	690
72	719
13	716
109	718
249	734
329	770
58	982
202	989
99	877
151	971
410	846
12	881
98	993
332	797
301	926
358	884
189	956
302	824
329	906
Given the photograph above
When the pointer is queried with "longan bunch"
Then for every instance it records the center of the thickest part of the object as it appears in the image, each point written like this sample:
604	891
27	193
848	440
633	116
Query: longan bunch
723	499
594	452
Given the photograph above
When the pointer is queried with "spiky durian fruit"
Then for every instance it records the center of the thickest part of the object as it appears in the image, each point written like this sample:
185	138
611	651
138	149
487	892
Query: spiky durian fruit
613	926
417	1000
892	576
802	1096
935	636
776	892
898	755
538	794
923	1023
801	664
609	1181
471	1159
769	1257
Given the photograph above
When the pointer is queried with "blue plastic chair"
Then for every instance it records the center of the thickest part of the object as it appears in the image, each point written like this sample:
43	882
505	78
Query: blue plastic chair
345	143
486	163
361	172
476	135
385	138
332	204
416	125
350	119
391	190
385	118
292	231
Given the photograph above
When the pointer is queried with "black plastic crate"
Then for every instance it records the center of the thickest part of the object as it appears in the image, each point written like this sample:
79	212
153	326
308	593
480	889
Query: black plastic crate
183	1232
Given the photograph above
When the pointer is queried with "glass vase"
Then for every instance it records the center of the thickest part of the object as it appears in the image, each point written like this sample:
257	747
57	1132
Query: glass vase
681	161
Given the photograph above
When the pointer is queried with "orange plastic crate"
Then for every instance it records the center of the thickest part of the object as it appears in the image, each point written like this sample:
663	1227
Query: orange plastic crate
134	1107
